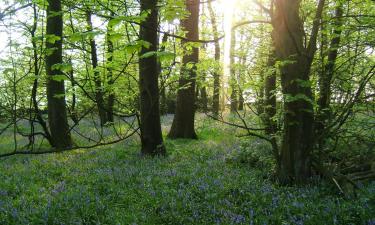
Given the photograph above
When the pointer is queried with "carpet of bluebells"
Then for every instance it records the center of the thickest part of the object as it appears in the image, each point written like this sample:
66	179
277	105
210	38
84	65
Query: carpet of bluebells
205	181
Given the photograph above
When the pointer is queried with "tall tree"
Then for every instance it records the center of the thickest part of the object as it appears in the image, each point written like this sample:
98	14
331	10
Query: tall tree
298	138
151	135
34	90
57	113
99	93
110	52
183	122
325	78
233	75
216	75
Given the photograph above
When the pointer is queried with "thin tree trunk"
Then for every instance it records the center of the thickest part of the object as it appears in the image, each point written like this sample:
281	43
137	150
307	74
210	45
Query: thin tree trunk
151	135
99	94
163	94
203	97
111	96
270	105
183	122
325	79
57	115
233	80
216	75
73	111
34	90
270	96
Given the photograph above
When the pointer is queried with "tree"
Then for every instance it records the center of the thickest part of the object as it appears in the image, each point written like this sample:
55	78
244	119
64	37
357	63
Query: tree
296	60
325	78
110	52
99	94
151	135
183	122
216	92
57	113
233	75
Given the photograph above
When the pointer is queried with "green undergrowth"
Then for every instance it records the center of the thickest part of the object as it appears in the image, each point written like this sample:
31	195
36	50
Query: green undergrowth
205	181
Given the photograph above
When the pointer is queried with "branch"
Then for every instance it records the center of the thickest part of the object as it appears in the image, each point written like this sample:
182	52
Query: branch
67	149
5	13
315	29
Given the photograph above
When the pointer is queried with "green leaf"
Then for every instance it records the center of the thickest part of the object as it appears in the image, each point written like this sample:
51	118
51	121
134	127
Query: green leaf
115	37
59	95
148	54
64	67
59	78
51	38
50	51
166	56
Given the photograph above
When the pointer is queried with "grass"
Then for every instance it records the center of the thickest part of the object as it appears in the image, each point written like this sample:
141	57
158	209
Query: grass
200	182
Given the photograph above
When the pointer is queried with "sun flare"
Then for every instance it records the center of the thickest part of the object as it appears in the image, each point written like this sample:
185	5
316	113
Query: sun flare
228	10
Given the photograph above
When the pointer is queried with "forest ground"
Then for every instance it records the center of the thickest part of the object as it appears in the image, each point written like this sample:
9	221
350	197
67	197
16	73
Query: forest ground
218	179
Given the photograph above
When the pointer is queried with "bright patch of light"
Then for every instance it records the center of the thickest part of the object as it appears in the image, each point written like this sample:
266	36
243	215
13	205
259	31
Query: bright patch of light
228	9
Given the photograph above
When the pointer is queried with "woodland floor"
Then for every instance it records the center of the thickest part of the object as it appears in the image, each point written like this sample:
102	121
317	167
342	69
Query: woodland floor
205	181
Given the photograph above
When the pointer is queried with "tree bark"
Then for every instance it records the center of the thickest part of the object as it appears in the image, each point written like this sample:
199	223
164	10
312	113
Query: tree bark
203	97
183	122
163	91
34	90
325	79
216	75
298	135
270	96
233	78
111	95
57	114
151	135
99	94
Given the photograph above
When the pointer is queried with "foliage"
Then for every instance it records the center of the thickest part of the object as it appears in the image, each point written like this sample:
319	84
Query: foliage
193	185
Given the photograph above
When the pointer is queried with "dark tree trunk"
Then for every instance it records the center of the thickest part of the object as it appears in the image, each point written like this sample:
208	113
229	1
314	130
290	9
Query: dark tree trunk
204	100
216	75
270	105
298	138
183	122
202	91
163	94
34	90
233	75
325	79
111	95
241	100
99	93
151	135
270	96
73	111
57	115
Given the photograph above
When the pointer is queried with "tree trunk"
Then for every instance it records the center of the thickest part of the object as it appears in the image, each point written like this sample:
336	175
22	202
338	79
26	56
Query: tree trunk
216	75
233	80
99	94
270	96
151	135
298	138
57	115
73	111
203	97
183	122
111	96
325	79
270	106
34	90
163	94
